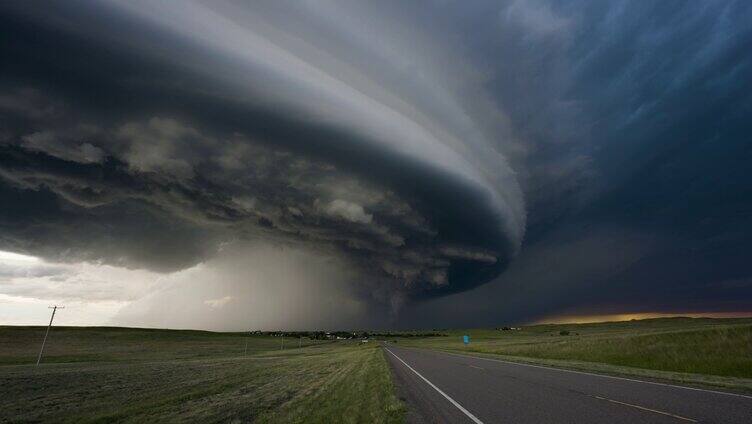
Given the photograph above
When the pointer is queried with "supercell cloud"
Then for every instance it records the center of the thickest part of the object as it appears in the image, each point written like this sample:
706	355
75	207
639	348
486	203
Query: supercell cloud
516	158
150	135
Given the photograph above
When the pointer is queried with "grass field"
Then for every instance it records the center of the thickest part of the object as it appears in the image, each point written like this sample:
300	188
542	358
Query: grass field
716	351
106	374
136	375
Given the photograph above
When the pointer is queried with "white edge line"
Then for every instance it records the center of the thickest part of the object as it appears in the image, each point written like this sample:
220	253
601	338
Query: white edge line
591	373
454	402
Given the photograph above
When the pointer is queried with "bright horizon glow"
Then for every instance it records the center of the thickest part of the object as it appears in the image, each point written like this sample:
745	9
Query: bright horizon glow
590	319
16	257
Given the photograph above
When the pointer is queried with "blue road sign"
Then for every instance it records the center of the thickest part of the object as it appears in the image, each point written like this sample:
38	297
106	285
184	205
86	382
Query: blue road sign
465	339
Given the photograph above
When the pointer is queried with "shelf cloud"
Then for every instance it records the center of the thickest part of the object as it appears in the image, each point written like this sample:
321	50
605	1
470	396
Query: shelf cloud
151	149
395	157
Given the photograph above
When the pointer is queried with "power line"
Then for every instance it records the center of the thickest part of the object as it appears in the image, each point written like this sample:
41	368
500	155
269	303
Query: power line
54	309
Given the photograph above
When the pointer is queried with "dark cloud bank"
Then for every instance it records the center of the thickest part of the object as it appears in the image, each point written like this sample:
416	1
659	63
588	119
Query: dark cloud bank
462	164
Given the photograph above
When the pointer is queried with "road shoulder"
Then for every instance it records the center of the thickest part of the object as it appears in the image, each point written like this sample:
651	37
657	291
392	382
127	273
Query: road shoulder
424	404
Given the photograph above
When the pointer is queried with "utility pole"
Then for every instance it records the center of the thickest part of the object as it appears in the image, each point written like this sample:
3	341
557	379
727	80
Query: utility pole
283	341
245	351
54	309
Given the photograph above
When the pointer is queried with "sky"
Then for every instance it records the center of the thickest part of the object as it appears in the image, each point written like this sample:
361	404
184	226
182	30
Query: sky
230	165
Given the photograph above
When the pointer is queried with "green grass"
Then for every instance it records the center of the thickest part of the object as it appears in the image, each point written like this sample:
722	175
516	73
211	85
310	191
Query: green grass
708	347
359	390
20	345
136	375
104	374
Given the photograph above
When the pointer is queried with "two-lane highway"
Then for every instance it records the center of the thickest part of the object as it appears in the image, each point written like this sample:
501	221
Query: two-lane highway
449	388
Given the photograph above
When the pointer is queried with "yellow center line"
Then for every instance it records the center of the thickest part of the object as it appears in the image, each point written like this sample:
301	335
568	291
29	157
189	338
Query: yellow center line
647	409
473	366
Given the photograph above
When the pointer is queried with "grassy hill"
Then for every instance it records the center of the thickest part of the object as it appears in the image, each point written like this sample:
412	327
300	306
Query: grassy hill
134	375
716	351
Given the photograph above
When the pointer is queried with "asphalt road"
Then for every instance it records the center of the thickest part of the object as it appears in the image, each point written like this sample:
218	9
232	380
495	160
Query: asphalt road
446	388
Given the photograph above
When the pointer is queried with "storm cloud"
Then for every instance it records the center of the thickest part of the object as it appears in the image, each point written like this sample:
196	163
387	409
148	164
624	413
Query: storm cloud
257	135
519	158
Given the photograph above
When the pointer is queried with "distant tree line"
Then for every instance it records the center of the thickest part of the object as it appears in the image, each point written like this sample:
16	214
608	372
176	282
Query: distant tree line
345	335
